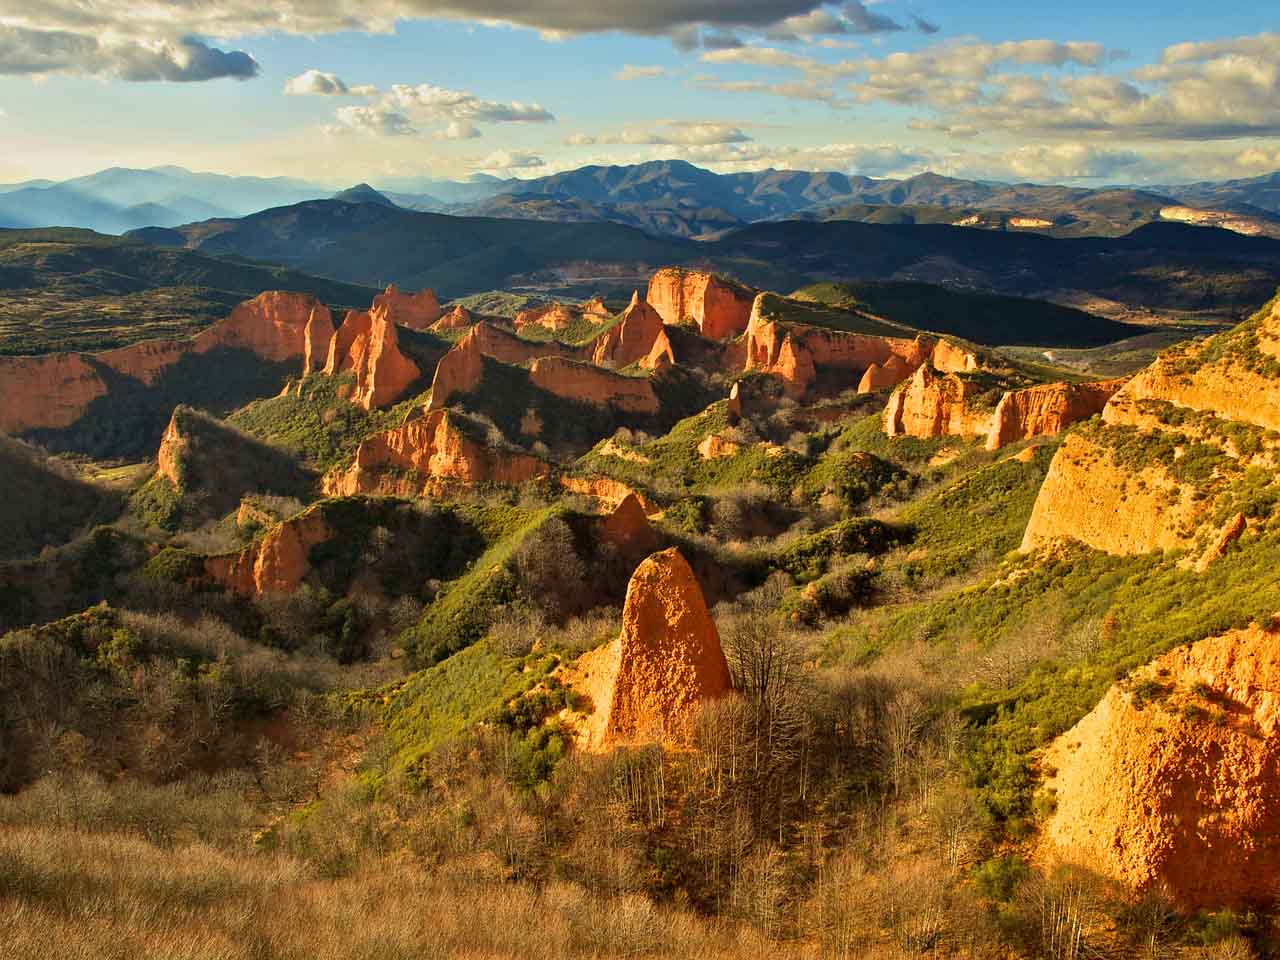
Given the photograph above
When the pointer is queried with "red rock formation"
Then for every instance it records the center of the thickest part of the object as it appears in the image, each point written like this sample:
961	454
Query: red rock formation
455	319
355	325
54	391
627	525
930	405
277	563
417	311
714	446
1087	497
734	406
609	492
316	337
648	684
367	343
670	655
885	376
795	352
49	391
460	370
173	445
633	339
1181	788
272	325
583	382
424	456
719	307
1047	409
383	373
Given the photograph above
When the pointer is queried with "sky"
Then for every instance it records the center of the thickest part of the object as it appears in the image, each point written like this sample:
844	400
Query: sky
387	91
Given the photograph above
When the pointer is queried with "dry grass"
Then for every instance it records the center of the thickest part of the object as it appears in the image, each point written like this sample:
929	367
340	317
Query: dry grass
68	894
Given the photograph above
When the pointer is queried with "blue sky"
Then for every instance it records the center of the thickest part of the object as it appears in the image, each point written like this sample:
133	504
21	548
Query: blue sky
346	90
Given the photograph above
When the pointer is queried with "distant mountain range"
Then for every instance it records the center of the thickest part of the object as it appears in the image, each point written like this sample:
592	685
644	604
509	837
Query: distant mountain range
668	198
1165	270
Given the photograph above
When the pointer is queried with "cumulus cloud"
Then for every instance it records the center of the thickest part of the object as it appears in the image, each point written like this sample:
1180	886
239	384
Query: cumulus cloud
632	72
185	59
428	101
321	84
688	133
580	140
506	160
378	120
461	130
1069	161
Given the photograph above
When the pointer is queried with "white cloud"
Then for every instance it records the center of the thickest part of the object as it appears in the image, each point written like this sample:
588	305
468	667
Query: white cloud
505	160
461	130
633	72
319	83
580	140
428	101
378	120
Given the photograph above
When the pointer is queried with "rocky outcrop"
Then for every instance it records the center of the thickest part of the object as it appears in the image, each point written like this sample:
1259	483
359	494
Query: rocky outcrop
54	391
1174	778
931	404
276	564
1158	472
627	526
594	385
173	447
634	339
428	455
417	311
1087	497
316	337
272	325
561	316
383	373
49	391
796	352
609	492
461	369
456	319
1047	409
714	446
368	345
647	685
720	308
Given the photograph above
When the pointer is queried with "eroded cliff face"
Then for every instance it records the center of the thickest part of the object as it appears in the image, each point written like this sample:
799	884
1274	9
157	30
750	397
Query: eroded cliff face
1161	470
560	316
635	339
456	319
1235	374
609	492
460	370
932	404
427	455
647	685
316	337
54	391
1047	409
796	352
1087	496
719	307
169	457
368	345
417	311
272	325
276	564
1174	778
590	384
627	526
